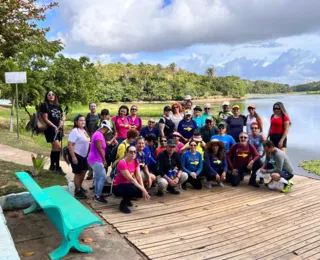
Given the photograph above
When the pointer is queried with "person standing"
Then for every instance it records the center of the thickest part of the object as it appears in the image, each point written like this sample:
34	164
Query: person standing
166	125
92	119
78	144
186	127
253	117
177	114
207	111
223	137
197	117
208	130
97	159
279	126
235	123
135	122
52	115
241	158
169	170
121	123
225	113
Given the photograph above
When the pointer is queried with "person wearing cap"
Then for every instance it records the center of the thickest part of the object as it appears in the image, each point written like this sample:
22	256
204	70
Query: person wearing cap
187	126
78	144
132	135
188	106
241	160
197	117
151	129
225	113
200	144
176	137
223	137
216	166
236	122
97	159
191	163
253	117
169	174
207	111
166	125
177	114
208	130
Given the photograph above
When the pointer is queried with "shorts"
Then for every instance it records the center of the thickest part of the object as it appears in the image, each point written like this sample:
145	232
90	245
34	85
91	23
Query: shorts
81	166
286	175
51	136
275	138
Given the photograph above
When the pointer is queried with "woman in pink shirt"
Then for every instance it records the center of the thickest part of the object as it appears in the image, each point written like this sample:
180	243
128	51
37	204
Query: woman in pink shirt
135	122
128	183
176	136
121	123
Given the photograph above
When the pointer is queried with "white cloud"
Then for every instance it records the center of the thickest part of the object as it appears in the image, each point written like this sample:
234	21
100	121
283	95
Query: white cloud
130	26
129	57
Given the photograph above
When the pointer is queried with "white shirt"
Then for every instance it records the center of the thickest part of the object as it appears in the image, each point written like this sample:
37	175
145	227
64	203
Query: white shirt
176	120
81	141
249	122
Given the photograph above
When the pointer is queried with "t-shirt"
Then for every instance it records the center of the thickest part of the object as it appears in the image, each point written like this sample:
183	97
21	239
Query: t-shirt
235	125
191	162
93	154
159	150
239	156
92	122
199	121
179	147
204	116
54	112
280	161
276	124
199	148
81	141
176	120
146	131
122	166
226	139
168	126
249	121
136	122
186	128
143	160
122	126
121	151
207	132
215	164
222	116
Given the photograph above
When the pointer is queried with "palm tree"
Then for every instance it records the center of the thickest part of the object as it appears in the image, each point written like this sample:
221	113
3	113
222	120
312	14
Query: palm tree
172	67
211	72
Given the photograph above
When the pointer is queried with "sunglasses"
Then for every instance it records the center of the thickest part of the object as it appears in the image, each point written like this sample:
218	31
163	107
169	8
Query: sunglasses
192	145
132	151
208	122
151	122
163	141
172	147
175	107
254	128
251	108
134	109
207	108
243	137
221	127
276	108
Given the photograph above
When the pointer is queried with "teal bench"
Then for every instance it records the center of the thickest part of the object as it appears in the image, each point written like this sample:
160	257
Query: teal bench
68	215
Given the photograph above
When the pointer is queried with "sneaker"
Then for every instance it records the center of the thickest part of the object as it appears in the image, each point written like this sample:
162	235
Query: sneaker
254	184
184	186
89	176
220	184
83	189
92	187
287	187
160	193
124	207
59	170
100	199
129	203
174	191
80	195
209	185
52	168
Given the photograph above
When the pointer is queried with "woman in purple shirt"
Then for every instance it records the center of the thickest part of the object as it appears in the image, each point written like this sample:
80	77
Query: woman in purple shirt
135	122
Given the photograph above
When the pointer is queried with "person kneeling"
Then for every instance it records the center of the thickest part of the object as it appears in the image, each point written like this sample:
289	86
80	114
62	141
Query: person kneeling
241	159
169	170
128	182
191	161
282	171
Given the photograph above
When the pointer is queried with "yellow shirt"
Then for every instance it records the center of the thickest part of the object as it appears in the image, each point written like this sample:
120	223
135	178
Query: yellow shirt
121	151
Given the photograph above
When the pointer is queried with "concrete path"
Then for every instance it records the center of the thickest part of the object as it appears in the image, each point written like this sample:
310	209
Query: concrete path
35	232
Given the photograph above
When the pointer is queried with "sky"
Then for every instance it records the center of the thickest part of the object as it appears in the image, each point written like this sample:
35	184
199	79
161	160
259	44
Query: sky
275	40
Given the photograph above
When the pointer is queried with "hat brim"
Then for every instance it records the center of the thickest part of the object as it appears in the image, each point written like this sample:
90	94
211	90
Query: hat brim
209	145
197	139
109	128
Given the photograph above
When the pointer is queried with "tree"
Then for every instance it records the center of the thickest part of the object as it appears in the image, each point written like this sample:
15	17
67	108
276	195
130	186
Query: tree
211	72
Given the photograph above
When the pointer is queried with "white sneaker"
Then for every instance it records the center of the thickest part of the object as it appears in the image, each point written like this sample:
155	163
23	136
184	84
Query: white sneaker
220	184
209	185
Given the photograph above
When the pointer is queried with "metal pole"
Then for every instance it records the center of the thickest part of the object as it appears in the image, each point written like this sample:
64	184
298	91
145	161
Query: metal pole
17	107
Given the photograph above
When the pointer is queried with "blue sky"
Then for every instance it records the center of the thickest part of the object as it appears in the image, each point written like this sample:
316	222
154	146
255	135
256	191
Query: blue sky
255	39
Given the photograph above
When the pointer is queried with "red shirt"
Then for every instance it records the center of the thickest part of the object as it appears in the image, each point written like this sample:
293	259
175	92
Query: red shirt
239	156
276	124
159	150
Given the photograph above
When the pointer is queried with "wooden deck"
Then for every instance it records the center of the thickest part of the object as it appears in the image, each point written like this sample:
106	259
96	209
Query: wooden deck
224	223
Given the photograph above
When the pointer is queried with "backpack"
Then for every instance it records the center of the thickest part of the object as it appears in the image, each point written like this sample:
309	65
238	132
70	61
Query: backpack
114	151
66	154
36	125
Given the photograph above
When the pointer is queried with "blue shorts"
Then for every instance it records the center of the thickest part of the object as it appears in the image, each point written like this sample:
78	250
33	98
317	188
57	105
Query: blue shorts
286	175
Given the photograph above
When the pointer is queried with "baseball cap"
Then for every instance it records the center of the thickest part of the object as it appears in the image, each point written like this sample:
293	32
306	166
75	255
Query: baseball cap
225	103
171	142
167	108
188	113
235	106
209	118
207	105
252	105
105	124
198	108
222	124
187	97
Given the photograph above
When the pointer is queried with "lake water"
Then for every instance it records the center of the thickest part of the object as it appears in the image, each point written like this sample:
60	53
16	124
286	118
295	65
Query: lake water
303	110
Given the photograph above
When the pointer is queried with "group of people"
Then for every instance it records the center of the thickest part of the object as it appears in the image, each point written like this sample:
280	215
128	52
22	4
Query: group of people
186	146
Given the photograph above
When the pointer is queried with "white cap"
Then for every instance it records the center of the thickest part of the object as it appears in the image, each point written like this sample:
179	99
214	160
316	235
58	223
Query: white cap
187	97
207	105
105	124
225	103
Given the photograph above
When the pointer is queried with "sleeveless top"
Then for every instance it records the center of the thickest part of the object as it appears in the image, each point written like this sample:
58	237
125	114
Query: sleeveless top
249	122
176	120
257	143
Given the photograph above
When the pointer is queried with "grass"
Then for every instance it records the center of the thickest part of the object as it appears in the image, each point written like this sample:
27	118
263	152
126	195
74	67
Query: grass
312	166
9	183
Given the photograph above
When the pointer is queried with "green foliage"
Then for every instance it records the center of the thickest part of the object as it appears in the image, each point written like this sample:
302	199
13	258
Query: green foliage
313	86
312	166
38	163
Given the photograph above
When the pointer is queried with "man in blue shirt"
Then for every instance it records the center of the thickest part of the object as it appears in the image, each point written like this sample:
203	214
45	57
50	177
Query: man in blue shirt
197	116
150	129
223	137
187	126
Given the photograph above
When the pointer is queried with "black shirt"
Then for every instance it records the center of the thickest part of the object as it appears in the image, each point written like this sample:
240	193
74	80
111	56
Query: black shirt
168	126
166	163
54	112
92	122
207	133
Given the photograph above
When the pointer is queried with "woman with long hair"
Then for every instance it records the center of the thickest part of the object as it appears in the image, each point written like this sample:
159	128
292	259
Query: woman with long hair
135	122
53	117
279	126
128	183
121	123
253	117
78	144
177	114
215	163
